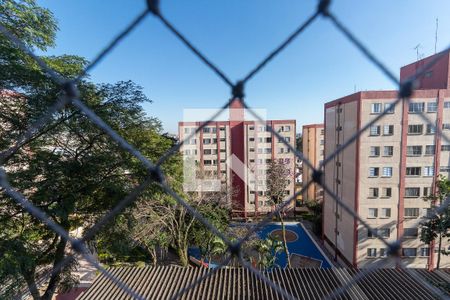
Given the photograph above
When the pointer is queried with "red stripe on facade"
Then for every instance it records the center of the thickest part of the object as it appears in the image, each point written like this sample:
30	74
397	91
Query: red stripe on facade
402	171
273	141
201	150
437	163
218	151
237	149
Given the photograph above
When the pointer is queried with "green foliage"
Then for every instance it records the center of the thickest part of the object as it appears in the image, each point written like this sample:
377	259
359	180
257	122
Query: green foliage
268	250
437	226
277	181
33	25
299	142
70	169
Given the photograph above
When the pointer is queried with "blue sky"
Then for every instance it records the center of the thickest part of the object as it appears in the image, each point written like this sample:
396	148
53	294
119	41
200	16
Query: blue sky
319	66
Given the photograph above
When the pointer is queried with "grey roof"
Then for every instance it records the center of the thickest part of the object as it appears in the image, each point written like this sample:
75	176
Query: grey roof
163	282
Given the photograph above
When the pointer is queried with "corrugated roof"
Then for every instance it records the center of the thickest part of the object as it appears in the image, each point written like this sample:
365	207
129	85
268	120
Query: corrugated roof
164	282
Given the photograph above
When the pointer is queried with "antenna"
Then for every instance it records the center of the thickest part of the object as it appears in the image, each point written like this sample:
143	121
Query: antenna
436	35
417	51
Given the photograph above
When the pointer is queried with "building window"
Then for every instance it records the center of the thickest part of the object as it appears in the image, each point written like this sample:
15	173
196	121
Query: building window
383	252
389	108
445	126
187	130
413	150
446	104
251	139
262	128
223	139
384	232
430	149
387	192
374	172
410	232
376	108
415	129
373	192
432	107
426	191
424	251
431	129
371	233
375	130
286	128
373	213
413	171
445	147
387	172
206	141
284	139
444	169
223	128
265	140
371	252
427	213
249	128
411	212
207	151
388	150
388	129
428	171
374	151
409	252
416	107
322	131
385	213
412	192
252	149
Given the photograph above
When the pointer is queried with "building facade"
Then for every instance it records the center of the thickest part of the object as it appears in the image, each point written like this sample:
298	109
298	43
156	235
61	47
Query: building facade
387	171
313	150
238	152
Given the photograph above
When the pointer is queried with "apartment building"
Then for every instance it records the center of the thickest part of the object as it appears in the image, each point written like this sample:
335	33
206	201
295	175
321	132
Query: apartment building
237	152
385	174
313	150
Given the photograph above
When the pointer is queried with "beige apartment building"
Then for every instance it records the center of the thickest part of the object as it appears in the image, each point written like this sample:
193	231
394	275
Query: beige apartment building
253	146
385	174
313	150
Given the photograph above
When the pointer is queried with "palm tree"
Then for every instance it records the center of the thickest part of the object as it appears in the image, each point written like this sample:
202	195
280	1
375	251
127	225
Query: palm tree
276	185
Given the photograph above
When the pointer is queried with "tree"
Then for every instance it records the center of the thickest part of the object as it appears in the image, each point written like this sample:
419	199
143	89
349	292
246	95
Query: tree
438	225
299	142
170	224
277	181
70	169
268	250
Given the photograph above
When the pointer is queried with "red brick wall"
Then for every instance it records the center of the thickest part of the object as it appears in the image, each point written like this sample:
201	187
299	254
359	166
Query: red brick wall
438	76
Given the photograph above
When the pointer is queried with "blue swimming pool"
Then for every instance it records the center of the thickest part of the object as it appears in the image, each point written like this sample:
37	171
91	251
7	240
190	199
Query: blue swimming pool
303	246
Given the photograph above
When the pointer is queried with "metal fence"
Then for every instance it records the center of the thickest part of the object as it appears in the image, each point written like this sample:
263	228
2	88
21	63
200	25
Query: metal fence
155	175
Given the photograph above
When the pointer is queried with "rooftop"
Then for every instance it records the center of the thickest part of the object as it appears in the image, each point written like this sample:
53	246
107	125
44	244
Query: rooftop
239	283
